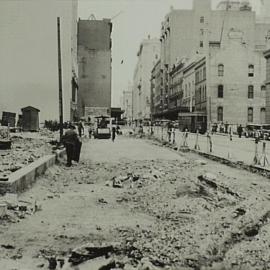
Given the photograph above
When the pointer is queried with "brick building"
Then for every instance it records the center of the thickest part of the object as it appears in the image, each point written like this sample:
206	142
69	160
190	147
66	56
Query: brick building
94	58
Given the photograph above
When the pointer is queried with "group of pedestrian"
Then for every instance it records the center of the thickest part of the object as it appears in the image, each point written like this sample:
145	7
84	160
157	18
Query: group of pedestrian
221	127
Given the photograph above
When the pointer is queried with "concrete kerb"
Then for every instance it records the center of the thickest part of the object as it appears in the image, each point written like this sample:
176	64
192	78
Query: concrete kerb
25	177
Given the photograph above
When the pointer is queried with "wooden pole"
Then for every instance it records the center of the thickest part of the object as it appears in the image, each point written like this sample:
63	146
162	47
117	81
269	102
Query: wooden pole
60	79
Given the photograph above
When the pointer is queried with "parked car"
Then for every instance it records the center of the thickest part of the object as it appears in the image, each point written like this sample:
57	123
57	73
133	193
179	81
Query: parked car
249	130
265	132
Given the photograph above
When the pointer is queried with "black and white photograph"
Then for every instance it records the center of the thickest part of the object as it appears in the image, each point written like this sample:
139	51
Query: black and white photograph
135	134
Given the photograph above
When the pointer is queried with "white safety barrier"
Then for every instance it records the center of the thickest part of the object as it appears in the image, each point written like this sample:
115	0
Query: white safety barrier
223	145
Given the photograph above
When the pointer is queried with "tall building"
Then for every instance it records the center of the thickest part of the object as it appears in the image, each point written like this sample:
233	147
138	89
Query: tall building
28	53
94	58
216	36
148	55
156	101
267	82
127	104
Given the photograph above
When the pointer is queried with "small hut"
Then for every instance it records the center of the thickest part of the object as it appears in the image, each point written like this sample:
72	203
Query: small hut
30	118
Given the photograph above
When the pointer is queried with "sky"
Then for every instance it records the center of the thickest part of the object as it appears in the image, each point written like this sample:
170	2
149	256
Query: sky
137	20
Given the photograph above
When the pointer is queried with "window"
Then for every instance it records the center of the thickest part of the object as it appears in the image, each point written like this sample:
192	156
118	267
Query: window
220	70
250	91
250	115
202	19
201	44
263	88
262	116
204	73
201	31
250	71
220	91
220	114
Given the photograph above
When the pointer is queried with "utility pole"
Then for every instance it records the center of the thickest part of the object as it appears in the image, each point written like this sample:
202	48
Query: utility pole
60	79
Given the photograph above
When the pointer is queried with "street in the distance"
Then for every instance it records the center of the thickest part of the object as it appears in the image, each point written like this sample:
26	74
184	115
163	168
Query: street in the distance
135	135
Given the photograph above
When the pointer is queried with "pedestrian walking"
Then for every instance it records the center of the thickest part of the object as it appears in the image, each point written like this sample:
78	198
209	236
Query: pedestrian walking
169	131
230	132
240	131
257	136
185	136
80	128
70	140
113	133
226	127
90	131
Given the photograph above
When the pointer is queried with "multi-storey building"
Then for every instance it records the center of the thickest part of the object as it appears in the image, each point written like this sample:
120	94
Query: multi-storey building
267	82
214	35
94	58
148	55
29	60
156	86
127	104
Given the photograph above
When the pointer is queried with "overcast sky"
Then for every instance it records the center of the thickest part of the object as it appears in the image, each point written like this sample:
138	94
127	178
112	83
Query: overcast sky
137	19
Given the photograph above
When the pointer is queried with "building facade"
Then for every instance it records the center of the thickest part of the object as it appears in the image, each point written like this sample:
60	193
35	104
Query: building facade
148	55
127	105
156	94
236	88
213	38
94	58
28	51
267	82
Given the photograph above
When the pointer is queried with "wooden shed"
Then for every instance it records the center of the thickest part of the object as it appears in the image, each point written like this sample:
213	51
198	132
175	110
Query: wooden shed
30	118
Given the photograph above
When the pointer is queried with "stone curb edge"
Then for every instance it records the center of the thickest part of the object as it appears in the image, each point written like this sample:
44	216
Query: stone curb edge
25	177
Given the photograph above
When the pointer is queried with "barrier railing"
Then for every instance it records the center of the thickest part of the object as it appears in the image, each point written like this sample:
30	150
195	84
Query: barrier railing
246	150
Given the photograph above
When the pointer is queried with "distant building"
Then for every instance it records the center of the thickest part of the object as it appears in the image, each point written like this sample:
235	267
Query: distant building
94	57
8	119
229	40
267	82
156	101
148	55
30	119
29	60
127	104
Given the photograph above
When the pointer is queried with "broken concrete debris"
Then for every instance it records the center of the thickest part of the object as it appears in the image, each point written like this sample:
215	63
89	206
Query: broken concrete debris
90	251
23	152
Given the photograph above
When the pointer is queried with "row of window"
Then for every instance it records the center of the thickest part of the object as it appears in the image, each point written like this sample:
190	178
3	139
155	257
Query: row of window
221	70
200	75
249	114
200	94
220	92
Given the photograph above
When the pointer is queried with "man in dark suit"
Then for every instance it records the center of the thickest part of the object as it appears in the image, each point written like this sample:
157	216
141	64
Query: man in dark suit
70	139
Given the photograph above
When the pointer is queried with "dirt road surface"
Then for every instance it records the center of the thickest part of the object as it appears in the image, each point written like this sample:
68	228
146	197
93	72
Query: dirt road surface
166	210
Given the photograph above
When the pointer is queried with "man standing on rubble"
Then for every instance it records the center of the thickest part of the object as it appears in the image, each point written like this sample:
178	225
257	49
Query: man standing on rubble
70	140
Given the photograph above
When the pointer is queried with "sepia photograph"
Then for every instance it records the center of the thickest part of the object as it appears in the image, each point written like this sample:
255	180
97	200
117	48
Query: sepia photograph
135	134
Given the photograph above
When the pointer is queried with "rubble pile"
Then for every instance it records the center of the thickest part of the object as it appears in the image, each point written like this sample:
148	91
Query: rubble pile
23	152
15	209
201	218
199	221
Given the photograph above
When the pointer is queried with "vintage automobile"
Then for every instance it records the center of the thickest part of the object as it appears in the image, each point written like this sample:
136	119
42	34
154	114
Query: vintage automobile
102	131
